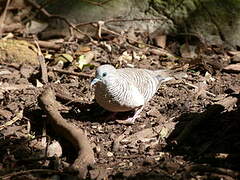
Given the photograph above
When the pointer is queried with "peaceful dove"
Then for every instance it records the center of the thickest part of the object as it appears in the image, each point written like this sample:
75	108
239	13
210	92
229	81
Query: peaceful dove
126	89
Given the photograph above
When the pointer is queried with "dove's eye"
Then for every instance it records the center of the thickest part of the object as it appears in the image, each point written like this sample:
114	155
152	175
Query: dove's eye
104	74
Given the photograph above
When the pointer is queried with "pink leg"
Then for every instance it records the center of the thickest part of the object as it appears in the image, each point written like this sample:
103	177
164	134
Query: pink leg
131	120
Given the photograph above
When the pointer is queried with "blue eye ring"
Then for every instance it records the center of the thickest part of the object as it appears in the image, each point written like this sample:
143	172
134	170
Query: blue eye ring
104	74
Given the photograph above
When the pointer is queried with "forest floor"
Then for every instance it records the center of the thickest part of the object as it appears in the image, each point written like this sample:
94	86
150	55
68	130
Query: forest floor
189	130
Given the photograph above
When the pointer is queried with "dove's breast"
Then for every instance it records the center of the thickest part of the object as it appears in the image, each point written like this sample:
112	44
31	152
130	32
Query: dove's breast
119	97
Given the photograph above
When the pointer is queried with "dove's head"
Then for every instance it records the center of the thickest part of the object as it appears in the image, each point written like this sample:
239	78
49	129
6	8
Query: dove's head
104	74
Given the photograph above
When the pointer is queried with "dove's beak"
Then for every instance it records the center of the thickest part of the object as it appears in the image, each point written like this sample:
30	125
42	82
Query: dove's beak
94	81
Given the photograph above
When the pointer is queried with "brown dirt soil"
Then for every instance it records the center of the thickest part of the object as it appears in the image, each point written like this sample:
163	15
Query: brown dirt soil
209	149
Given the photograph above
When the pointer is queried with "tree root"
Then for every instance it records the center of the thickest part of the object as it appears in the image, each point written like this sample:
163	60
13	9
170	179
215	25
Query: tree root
75	135
218	170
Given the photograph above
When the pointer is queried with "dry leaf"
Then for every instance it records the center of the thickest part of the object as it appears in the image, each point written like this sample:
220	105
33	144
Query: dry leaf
54	149
63	58
233	67
160	40
83	49
85	59
18	116
233	52
8	36
39	84
125	57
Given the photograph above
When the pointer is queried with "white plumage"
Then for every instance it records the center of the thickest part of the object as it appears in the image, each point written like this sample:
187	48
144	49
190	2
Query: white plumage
125	89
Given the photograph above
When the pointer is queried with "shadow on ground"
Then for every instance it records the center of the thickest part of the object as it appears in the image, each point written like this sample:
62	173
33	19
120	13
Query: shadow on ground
209	143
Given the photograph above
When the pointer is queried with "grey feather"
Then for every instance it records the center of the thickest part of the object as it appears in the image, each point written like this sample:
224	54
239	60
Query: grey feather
125	89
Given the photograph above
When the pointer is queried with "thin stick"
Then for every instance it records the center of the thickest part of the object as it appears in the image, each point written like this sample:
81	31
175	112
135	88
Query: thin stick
3	18
42	64
46	13
72	73
97	3
195	87
47	44
9	176
19	116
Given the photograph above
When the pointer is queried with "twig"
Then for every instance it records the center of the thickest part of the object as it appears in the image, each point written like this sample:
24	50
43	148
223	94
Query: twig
3	16
42	64
46	13
11	65
164	52
96	3
9	87
65	97
207	168
100	25
9	176
75	135
151	132
47	44
19	116
121	20
72	73
69	100
195	87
